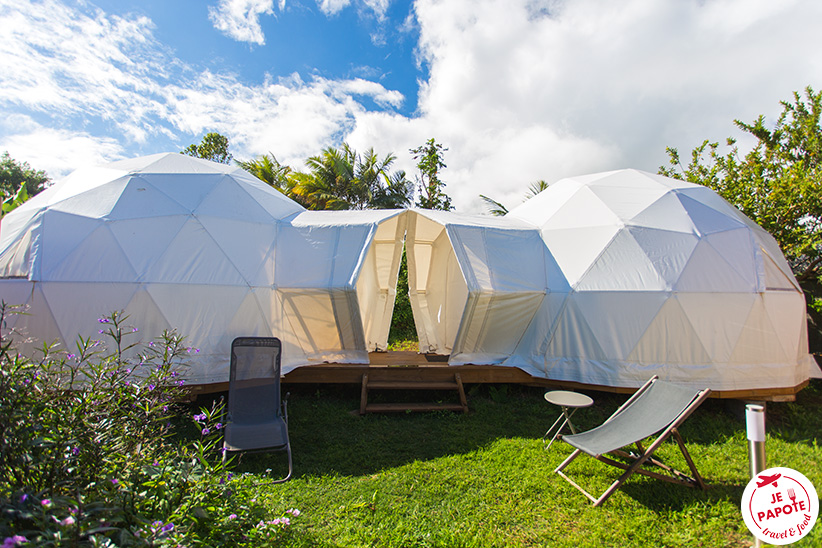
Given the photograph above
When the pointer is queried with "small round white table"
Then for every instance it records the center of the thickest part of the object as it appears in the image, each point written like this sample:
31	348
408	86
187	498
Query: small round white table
566	400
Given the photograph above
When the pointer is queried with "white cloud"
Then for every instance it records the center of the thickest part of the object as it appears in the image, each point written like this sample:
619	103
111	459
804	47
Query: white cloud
377	7
82	69
240	19
521	90
56	151
518	90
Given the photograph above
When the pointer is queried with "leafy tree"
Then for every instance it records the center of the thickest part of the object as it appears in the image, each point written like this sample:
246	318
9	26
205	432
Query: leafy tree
778	183
430	161
213	147
19	181
344	179
497	209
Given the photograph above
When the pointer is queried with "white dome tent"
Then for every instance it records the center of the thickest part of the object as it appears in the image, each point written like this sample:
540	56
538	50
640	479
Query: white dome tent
179	242
602	280
642	275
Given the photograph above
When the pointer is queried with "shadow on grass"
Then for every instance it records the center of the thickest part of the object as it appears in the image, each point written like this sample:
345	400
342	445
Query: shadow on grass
329	438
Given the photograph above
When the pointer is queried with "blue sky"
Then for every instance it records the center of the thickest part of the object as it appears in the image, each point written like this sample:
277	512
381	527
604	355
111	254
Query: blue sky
518	90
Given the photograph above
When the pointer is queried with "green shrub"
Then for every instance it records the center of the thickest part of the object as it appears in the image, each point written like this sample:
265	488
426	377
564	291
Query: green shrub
90	454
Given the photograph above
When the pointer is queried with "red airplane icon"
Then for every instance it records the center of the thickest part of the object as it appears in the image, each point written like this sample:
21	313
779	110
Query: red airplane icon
762	481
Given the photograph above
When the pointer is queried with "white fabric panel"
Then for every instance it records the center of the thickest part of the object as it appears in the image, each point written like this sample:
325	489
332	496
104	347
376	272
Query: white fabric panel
572	336
582	210
620	198
775	278
542	206
230	200
708	271
187	189
15	259
143	309
671	340
493	325
61	234
575	250
76	307
706	219
711	199
668	251
82	181
140	199
144	241
326	324
257	239
112	264
717	320
786	311
94	203
759	341
316	256
619	319
666	213
193	257
622	266
37	325
502	260
13	227
736	247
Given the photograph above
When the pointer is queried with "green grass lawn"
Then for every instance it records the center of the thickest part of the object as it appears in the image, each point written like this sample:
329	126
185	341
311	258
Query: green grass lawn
484	479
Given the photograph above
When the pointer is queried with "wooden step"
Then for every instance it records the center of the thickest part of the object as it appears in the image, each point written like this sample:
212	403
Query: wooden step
403	407
410	384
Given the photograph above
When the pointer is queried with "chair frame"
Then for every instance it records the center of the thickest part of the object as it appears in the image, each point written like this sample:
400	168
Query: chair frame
645	455
263	341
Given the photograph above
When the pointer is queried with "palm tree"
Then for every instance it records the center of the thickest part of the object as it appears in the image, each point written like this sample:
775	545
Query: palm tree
343	179
269	170
497	209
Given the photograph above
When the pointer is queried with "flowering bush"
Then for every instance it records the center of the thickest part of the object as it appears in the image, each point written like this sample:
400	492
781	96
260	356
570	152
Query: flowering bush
89	454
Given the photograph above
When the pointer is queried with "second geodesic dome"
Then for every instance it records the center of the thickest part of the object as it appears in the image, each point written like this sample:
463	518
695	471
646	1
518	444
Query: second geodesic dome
179	242
612	278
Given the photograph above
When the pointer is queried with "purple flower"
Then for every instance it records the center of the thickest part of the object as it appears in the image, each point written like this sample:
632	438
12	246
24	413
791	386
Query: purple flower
232	516
75	451
218	425
45	502
167	527
151	387
101	331
293	511
115	481
200	418
11	542
70	356
68	521
23	498
104	320
206	431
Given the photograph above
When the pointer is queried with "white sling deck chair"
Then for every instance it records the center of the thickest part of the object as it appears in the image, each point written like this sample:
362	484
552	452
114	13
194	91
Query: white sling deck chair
257	418
658	407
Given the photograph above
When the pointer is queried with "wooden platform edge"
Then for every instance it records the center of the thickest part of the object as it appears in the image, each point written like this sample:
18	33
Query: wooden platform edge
415	367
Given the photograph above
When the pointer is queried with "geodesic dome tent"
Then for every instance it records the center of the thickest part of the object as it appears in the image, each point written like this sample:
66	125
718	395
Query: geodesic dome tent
643	275
179	242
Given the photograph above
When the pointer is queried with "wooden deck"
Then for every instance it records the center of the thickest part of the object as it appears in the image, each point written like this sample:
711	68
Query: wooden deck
403	366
